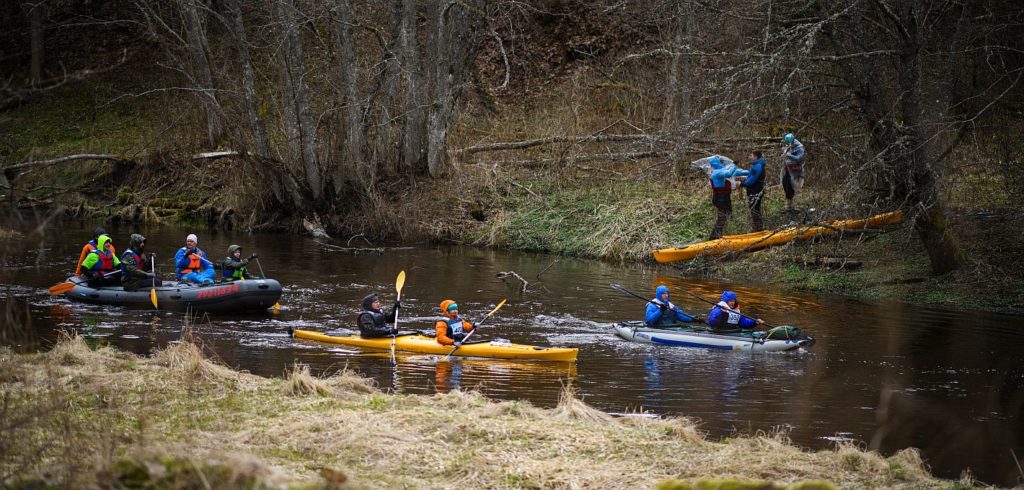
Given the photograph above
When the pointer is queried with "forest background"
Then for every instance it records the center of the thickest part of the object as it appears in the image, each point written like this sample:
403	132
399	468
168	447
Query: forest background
565	127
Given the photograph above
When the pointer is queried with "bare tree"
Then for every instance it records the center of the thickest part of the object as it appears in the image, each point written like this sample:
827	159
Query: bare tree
348	76
449	40
414	128
299	126
195	33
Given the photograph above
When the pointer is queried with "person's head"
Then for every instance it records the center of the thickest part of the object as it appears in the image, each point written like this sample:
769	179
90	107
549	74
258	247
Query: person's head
715	161
371	302
729	298
756	155
137	241
191	240
97	232
661	293
789	138
235	251
449	308
102	242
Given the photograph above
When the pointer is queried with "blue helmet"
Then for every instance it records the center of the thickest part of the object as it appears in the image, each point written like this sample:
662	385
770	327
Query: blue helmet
715	161
728	296
660	290
789	138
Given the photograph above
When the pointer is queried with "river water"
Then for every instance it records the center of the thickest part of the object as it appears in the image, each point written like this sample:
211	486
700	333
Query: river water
886	376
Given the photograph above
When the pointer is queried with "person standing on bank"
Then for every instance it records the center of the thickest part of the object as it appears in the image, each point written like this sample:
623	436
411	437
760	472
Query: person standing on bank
754	184
372	322
723	177
792	175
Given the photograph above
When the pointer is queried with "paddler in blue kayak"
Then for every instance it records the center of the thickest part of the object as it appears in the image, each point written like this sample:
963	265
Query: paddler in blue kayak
726	317
373	323
451	329
662	313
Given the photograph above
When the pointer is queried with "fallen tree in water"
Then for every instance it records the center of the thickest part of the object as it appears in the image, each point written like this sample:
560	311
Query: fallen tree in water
76	417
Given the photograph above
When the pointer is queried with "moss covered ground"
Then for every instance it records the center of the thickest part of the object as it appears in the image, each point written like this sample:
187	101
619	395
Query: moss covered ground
95	417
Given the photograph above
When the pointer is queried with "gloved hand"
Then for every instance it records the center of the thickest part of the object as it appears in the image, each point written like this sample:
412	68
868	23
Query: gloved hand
459	337
254	256
663	307
458	344
398	305
152	255
394	331
699	318
99	274
475	325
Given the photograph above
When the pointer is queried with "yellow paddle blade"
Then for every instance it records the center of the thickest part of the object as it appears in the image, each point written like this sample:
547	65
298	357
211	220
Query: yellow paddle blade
61	288
496	308
152	298
276	308
399	282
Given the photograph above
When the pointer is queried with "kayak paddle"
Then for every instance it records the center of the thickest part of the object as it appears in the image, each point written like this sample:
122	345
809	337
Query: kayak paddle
471	332
277	305
399	282
63	287
624	290
152	291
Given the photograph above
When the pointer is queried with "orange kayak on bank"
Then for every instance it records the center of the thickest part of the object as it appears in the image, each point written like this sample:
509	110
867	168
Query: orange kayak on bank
771	238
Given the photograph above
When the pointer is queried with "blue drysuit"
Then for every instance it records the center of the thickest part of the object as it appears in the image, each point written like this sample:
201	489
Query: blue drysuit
724	318
672	314
193	266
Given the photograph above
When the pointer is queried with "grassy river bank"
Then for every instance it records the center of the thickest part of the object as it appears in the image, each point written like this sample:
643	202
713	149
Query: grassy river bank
81	416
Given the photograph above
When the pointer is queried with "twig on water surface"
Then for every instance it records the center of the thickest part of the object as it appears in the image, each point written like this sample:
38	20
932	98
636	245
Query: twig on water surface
503	275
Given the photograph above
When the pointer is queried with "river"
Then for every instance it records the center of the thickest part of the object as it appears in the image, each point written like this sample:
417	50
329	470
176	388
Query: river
886	375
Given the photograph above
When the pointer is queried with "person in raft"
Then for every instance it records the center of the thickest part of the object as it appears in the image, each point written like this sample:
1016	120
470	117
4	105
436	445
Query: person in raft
232	268
373	323
90	246
662	313
100	262
451	329
725	316
191	263
722	178
135	271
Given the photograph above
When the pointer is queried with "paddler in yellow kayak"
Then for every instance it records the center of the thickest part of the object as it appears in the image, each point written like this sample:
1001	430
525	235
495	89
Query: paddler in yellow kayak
451	329
373	323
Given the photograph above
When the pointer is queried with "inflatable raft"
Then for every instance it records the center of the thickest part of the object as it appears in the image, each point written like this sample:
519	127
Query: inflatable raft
771	238
427	345
248	295
776	340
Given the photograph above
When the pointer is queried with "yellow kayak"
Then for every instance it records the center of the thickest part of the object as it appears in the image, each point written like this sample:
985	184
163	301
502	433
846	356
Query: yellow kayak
770	238
427	345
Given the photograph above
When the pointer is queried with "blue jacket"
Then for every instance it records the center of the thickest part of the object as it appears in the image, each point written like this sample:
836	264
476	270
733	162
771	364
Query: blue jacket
755	180
722	319
181	261
720	172
795	152
653	316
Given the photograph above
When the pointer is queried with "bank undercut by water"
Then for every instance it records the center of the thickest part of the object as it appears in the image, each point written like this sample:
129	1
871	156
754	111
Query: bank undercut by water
77	416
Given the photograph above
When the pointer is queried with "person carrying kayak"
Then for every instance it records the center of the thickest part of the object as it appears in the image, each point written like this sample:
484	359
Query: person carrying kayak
191	263
451	329
725	316
754	184
662	313
90	246
100	262
722	177
372	322
135	271
792	175
232	268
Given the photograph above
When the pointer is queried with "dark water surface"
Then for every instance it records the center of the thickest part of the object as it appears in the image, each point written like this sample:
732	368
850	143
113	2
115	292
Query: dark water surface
884	375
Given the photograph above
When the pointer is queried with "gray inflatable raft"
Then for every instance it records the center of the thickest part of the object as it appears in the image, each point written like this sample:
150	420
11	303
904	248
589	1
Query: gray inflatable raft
248	295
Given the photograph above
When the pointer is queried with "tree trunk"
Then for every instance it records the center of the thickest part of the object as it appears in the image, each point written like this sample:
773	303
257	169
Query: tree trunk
241	41
448	63
195	33
353	162
384	153
414	87
36	21
299	124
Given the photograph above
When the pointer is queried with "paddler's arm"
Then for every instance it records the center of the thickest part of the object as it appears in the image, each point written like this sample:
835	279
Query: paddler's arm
85	253
441	333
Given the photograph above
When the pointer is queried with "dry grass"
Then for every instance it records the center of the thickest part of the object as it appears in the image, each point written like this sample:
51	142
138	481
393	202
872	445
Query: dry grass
177	420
